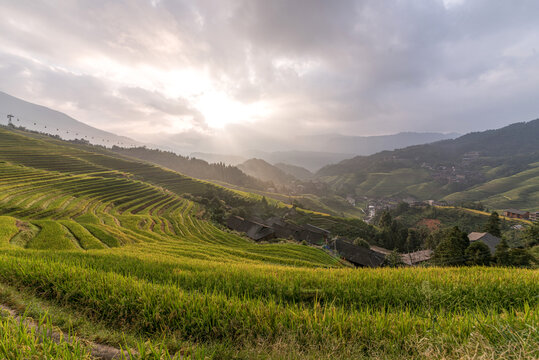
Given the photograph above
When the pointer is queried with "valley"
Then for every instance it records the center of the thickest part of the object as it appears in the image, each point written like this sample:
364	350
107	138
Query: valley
107	245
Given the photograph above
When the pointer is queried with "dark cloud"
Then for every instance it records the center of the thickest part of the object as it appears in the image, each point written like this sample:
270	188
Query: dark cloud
354	67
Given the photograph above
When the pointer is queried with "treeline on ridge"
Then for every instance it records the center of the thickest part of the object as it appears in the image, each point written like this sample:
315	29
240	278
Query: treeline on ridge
194	167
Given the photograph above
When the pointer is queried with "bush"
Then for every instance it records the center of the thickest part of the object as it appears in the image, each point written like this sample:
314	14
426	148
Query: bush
451	250
520	258
478	253
362	242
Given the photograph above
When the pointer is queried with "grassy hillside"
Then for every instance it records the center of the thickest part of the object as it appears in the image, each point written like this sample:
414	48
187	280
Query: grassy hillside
520	191
298	172
111	249
263	170
496	167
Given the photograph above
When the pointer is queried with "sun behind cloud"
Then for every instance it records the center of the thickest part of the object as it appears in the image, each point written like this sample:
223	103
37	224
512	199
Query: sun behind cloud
219	109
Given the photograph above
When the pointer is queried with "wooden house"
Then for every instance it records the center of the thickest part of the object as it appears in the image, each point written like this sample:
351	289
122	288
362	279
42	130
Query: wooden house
358	255
516	214
490	240
417	257
254	230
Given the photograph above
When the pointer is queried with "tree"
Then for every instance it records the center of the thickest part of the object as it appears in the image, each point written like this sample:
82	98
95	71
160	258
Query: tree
531	235
402	207
385	220
451	250
520	258
216	209
393	259
477	253
9	117
434	238
413	240
501	255
493	225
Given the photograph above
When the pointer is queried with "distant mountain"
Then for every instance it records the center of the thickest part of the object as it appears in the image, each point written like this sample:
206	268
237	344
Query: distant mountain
219	158
298	172
42	119
498	167
264	171
368	145
312	160
335	149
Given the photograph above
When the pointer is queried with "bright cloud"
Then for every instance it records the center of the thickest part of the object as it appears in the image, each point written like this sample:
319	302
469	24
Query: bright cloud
182	70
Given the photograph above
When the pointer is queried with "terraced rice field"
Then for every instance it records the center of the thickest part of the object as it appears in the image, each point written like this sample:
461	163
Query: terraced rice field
110	249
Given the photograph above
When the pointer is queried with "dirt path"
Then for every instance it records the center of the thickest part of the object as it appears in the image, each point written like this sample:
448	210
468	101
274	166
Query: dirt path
98	351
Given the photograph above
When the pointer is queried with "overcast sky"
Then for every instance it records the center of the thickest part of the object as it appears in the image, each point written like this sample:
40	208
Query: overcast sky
190	70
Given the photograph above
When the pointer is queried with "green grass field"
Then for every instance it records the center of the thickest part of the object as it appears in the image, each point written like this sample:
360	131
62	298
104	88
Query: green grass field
108	248
519	191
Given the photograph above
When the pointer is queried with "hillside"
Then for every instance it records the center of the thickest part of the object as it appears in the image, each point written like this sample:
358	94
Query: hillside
298	172
368	145
306	149
311	160
112	249
266	172
194	167
43	119
60	196
497	167
219	158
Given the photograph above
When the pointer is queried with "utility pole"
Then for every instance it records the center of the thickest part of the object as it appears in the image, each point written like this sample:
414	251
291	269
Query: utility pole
9	117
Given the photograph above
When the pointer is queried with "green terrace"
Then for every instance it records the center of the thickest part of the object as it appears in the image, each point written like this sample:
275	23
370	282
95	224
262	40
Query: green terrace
113	249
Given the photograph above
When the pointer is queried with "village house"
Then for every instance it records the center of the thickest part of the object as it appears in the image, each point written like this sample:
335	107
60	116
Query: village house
260	230
534	216
417	257
380	250
410	259
357	255
253	230
490	240
314	235
287	230
516	214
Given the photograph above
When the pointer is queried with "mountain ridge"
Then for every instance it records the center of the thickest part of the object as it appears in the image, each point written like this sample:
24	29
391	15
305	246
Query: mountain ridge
44	119
439	169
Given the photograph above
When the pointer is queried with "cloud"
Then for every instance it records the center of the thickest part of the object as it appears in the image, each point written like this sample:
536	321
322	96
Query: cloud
278	68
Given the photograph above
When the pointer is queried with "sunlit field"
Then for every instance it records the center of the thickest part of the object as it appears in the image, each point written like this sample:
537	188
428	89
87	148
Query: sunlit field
110	250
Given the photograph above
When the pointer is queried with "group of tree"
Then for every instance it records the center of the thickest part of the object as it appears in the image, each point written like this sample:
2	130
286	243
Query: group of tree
451	245
455	249
394	235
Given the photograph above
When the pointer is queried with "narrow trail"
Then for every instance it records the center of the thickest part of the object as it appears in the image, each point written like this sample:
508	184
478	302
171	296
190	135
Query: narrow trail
98	351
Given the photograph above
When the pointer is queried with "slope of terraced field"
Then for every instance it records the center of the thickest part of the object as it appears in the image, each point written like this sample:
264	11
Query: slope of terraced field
101	204
110	249
520	190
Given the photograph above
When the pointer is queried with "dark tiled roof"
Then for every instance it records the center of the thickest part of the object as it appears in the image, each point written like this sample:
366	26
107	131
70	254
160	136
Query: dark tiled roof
253	230
311	236
358	255
380	250
237	223
488	239
516	211
316	229
417	257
